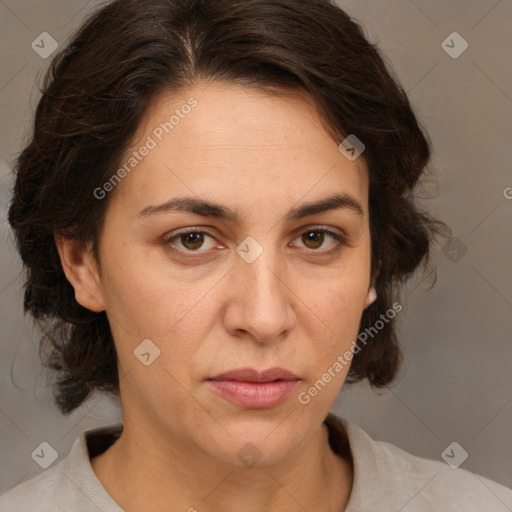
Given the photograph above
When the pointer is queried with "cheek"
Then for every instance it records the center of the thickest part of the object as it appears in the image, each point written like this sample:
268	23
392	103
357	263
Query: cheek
332	317
142	305
138	295
339	298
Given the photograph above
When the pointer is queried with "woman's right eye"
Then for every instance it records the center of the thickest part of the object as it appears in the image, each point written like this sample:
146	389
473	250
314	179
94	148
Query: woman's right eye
190	241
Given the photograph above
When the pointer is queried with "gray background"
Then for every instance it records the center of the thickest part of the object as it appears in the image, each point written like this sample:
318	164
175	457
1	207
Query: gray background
456	382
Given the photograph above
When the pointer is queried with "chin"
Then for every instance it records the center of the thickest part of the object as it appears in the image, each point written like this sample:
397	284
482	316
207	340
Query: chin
254	442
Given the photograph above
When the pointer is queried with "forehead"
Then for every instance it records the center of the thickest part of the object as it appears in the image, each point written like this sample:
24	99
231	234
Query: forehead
232	138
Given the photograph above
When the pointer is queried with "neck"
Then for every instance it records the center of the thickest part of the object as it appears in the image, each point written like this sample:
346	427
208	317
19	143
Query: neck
162	476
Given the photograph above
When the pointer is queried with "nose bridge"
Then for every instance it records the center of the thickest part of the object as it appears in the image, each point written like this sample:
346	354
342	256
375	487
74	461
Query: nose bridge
262	272
265	300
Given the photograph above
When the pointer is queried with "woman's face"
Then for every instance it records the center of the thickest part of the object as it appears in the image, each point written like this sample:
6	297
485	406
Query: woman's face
259	287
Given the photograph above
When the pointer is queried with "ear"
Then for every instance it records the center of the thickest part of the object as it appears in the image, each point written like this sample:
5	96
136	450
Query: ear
81	271
371	297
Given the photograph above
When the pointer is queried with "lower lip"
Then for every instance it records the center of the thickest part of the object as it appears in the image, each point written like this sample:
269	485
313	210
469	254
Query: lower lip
254	395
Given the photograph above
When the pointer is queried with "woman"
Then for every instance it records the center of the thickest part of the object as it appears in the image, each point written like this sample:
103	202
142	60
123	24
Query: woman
213	209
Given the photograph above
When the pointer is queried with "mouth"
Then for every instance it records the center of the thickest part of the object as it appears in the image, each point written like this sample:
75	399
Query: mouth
251	375
254	389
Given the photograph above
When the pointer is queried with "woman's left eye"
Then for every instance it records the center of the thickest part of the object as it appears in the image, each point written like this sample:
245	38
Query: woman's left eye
313	239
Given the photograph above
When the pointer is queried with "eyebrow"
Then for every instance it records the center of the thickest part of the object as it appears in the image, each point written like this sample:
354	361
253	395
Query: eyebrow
211	209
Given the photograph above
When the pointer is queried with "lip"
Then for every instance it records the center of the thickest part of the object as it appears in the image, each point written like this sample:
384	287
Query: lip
255	389
251	375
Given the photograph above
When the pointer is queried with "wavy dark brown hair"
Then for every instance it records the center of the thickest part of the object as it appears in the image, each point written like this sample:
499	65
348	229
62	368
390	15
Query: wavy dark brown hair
95	94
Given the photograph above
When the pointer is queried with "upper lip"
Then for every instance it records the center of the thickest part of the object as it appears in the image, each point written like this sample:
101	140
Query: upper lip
251	375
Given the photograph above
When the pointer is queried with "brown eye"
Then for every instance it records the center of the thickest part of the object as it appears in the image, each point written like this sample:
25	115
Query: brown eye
313	239
192	240
317	241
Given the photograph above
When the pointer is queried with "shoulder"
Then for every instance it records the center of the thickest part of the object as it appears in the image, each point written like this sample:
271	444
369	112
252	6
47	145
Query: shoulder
70	485
387	476
39	494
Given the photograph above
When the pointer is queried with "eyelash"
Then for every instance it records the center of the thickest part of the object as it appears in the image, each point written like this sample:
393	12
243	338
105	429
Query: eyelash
340	239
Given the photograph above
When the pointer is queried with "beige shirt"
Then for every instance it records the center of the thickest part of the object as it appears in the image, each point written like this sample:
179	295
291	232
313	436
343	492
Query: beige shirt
386	479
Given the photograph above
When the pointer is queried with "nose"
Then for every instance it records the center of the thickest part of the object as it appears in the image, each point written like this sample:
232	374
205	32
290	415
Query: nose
260	301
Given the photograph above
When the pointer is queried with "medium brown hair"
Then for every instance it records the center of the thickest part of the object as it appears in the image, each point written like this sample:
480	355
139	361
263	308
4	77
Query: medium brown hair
98	89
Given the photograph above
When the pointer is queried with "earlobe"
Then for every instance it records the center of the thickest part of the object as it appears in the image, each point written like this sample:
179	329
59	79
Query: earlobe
81	272
371	297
